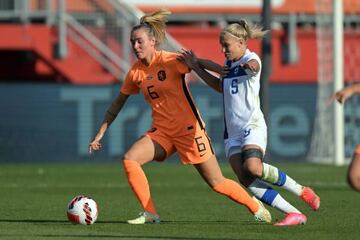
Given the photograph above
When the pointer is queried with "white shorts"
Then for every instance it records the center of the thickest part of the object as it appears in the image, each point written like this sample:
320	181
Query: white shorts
249	136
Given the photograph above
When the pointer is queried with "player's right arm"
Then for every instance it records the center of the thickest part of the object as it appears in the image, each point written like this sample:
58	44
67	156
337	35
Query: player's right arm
193	62
210	65
345	93
110	116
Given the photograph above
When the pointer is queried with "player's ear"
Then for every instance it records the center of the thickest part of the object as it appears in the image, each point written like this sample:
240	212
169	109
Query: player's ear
242	42
153	41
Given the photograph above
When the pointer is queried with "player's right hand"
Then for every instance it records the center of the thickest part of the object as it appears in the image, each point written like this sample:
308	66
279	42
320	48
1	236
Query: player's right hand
188	57
95	145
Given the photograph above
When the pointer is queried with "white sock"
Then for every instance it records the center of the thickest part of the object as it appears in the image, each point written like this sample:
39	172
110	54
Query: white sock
281	204
271	197
277	177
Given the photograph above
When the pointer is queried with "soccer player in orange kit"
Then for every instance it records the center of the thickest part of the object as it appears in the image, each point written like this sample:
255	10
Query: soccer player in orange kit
176	122
353	175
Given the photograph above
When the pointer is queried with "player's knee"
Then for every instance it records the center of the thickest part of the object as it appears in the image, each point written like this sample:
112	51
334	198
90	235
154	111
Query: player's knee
353	176
130	155
354	180
251	168
127	156
252	159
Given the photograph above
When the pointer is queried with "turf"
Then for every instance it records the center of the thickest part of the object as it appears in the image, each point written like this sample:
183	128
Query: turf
33	200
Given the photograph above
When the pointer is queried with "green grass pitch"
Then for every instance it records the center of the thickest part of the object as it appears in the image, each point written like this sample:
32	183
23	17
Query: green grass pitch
33	200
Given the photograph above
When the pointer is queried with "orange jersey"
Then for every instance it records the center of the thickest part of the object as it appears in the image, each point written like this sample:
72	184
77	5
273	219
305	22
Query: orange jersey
165	89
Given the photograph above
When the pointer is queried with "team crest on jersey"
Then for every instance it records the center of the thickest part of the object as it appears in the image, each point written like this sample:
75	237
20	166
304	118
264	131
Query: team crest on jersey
236	70
161	75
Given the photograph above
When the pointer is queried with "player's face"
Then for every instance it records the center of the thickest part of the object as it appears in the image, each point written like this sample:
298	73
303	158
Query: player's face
232	47
143	46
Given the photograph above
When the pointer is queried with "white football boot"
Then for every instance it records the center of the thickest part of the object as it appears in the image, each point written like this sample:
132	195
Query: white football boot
262	215
145	217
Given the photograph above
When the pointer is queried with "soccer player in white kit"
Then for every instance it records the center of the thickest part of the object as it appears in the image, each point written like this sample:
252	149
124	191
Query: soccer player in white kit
245	132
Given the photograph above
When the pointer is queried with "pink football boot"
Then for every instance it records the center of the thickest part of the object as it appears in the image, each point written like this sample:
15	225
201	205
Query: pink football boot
292	219
308	195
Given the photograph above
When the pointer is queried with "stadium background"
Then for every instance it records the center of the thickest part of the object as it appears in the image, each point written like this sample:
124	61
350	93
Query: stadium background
55	85
61	63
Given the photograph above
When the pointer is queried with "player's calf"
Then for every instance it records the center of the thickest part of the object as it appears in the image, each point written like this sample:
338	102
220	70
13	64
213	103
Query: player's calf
353	176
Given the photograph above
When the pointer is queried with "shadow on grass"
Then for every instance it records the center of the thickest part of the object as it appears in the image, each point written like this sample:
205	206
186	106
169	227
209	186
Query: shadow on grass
32	221
73	236
124	222
212	222
118	236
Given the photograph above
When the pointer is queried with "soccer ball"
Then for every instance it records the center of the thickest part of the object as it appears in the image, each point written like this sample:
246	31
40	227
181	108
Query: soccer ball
82	210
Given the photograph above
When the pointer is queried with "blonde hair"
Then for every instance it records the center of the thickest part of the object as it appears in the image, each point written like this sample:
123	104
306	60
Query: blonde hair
243	30
155	24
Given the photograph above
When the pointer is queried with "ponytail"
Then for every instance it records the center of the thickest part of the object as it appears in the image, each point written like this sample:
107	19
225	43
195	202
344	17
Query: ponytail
155	23
243	30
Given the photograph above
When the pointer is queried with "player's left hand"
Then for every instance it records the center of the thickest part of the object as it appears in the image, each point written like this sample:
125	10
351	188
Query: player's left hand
252	65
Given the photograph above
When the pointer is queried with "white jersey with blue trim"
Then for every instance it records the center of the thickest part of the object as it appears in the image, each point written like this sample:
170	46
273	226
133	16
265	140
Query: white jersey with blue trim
241	97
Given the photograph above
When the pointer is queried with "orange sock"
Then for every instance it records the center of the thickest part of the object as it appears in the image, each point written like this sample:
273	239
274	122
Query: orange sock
235	192
139	185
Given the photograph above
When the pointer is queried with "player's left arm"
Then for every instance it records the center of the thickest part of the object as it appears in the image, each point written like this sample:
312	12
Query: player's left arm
253	65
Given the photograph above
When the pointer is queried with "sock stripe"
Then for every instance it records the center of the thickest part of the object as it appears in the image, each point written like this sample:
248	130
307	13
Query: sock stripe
269	196
281	178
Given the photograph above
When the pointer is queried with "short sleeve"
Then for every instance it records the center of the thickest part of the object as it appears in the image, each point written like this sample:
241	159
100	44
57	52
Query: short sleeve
182	67
129	87
253	56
